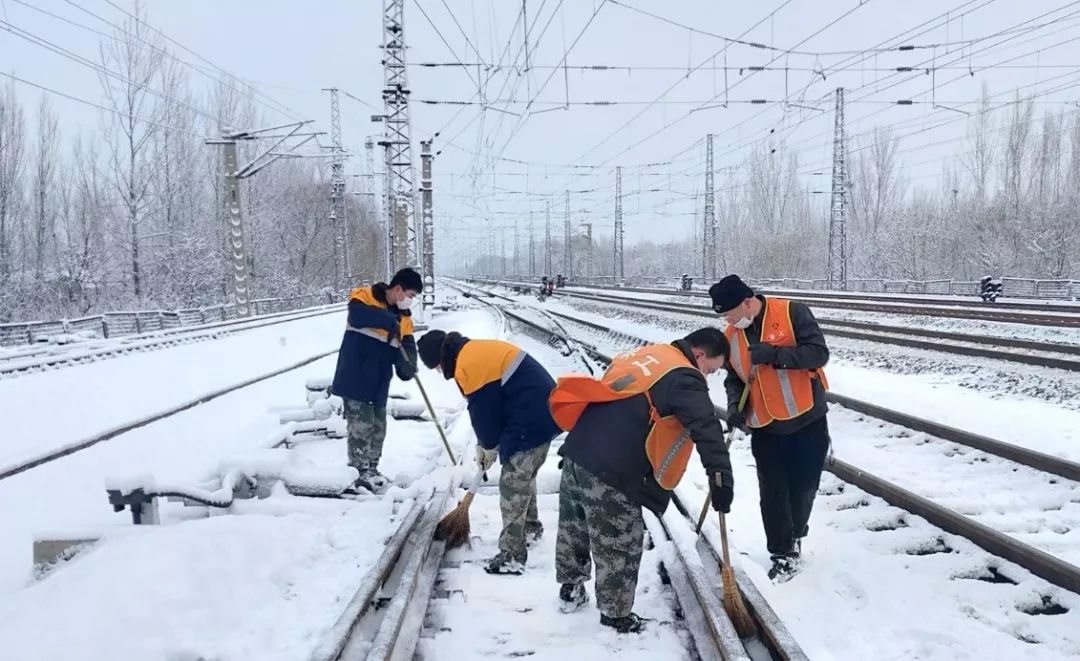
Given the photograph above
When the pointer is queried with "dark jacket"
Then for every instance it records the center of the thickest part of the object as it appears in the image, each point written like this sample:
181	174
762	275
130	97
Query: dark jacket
810	352
507	391
609	438
367	360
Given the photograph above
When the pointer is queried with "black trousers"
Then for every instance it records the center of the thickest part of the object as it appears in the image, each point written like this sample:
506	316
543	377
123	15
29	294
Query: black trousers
789	469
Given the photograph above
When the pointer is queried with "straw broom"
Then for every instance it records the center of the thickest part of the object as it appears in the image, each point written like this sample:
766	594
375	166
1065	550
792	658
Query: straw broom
454	527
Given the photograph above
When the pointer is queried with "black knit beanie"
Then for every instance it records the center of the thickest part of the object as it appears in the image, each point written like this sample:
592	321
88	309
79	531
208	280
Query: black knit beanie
429	346
729	293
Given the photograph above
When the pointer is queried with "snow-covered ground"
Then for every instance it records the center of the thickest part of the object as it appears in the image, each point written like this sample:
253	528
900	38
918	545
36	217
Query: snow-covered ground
265	578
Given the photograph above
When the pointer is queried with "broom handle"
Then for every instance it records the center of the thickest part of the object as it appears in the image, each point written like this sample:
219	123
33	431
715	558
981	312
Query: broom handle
430	408
723	540
704	513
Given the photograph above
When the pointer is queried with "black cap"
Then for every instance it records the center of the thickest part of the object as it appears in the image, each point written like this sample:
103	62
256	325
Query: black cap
729	293
429	347
409	280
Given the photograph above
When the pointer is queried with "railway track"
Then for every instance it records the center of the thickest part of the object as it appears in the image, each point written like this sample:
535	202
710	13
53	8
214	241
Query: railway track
1027	352
1036	560
41	359
1063	316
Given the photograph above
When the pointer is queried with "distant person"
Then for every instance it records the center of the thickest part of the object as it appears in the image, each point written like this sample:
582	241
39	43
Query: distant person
776	387
627	448
379	324
507	391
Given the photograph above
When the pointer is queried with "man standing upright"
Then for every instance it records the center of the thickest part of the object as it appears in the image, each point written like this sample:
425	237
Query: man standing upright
379	325
776	386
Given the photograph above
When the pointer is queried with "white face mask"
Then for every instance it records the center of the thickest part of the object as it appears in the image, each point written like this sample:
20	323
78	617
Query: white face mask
744	323
405	304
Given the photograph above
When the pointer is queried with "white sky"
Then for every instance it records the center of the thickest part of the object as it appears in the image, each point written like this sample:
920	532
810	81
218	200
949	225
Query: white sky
291	49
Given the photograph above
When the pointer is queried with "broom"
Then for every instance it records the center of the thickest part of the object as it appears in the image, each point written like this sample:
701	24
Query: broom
430	408
454	527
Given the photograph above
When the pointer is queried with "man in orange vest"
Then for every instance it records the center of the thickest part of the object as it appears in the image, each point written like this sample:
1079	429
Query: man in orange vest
631	433
776	387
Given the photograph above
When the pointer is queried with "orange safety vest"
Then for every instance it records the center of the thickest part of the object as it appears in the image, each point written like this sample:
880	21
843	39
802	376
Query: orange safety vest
366	295
774	393
668	445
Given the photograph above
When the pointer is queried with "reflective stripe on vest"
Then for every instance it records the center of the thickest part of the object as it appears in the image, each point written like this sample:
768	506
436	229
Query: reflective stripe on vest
366	296
773	393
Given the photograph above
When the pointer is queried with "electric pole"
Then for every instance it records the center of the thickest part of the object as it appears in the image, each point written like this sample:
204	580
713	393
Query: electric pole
397	140
547	239
709	268
517	247
568	253
502	252
233	173
427	222
342	269
532	246
372	186
589	253
618	270
838	206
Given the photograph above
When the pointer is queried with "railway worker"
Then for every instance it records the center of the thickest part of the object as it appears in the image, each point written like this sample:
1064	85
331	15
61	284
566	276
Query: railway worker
507	391
379	325
631	436
776	387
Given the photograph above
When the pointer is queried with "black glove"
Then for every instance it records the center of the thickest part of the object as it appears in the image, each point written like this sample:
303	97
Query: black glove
721	491
737	420
394	332
762	354
404	369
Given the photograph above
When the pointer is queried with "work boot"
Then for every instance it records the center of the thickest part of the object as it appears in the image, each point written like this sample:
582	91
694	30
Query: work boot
378	479
572	597
371	480
784	568
632	623
533	532
503	564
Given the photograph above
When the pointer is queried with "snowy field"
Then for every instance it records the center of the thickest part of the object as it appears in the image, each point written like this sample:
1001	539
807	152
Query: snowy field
879	583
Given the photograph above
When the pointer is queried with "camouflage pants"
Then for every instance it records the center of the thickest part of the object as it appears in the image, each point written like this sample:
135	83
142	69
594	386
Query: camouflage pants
517	500
366	425
597	519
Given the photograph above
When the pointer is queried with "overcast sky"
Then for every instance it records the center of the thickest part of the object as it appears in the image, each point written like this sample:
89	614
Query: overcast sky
291	49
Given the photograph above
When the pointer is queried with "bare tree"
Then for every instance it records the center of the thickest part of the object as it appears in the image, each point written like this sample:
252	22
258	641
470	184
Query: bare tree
979	157
12	166
44	211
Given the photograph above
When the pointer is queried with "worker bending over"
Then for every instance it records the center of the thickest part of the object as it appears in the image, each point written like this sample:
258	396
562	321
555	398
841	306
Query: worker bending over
507	391
631	436
776	387
379	325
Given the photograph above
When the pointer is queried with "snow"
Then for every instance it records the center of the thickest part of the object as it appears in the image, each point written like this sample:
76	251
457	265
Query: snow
51	409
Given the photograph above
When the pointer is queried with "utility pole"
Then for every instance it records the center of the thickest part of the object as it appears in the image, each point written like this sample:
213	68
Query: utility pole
568	253
618	270
709	270
372	194
589	253
397	140
427	222
233	209
838	206
342	269
547	239
517	247
502	253
532	246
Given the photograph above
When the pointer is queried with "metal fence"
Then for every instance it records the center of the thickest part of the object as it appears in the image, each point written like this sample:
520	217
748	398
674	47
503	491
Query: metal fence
119	324
1012	287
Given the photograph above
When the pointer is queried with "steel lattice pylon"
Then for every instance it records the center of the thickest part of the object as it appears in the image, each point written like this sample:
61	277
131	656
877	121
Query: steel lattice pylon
547	239
838	206
619	274
397	141
568	251
427	221
708	269
342	268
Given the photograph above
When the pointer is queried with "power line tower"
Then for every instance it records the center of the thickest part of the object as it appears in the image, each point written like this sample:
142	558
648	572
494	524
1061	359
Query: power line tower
619	273
397	140
589	252
709	268
517	247
532	245
547	238
342	268
838	206
371	191
427	222
568	253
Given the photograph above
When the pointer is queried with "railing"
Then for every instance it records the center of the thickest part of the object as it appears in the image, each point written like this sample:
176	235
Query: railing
119	324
